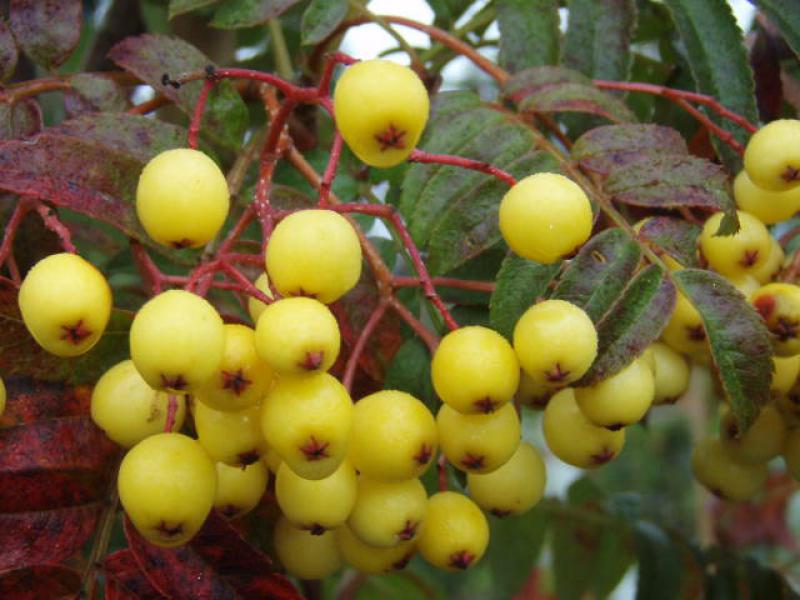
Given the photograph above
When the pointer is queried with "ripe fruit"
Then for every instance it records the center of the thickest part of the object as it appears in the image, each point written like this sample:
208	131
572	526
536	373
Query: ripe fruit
760	443
512	489
242	378
177	341
786	371
737	254
307	421
394	436
556	342
316	505
619	400
387	513
182	198
128	409
545	217
314	253
455	534
789	405
295	336
791	453
768	206
478	443
772	159
685	331
772	265
239	489
304	554
254	306
779	306
232	437
746	284
381	109
715	468
475	370
65	304
369	559
532	393
670	373
575	439
167	485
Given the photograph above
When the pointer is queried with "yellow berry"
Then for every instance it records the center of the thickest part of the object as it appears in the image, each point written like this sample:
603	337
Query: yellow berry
307	421
381	109
545	217
475	370
455	534
670	373
388	513
512	489
295	336
685	331
772	158
272	459
231	437
369	559
768	206
715	468
791	453
760	443
239	489
789	405
772	265
785	375
128	409
746	284
779	306
314	253
167	485
304	554
177	341
575	439
619	400
556	342
182	198
735	255
254	306
478	443
65	304
533	394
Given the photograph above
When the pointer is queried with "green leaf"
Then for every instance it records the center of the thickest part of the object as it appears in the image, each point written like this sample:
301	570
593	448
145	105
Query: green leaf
633	323
599	36
676	237
93	93
786	15
8	51
596	276
529	35
321	18
410	371
520	282
237	14
731	576
739	340
718	60
179	7
667	568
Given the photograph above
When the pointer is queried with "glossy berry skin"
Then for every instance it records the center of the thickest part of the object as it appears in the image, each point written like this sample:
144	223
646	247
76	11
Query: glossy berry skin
65	304
381	109
182	198
455	534
254	306
762	441
231	437
239	489
767	206
296	336
556	342
369	559
545	217
670	373
242	378
177	341
785	375
167	485
394	436
316	505
735	255
685	331
772	158
314	253
388	513
767	272
619	400
512	489
304	554
533	394
478	443
791	453
715	468
128	410
575	439
307	420
475	370
779	306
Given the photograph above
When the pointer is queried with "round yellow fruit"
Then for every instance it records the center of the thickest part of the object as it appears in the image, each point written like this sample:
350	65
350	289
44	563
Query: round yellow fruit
685	331
735	255
475	370
231	437
239	489
369	559
128	409
167	484
545	217
619	400
715	468
772	265
533	394
177	341
785	375
455	534
478	443
387	513
779	306
670	373
255	306
182	198
772	157
65	304
763	440
767	206
381	109
304	554
314	253
746	284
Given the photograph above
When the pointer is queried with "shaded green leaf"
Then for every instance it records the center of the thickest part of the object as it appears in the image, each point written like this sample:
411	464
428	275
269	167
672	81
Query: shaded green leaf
634	321
786	15
529	35
410	371
8	51
730	576
596	276
676	237
93	93
179	7
236	14
739	340
47	31
667	568
321	18
520	282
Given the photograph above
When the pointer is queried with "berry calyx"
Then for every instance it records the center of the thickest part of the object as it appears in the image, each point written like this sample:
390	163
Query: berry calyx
456	533
779	306
304	554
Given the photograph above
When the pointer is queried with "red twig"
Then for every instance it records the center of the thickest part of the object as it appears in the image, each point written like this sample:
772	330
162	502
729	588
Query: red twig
361	343
20	210
54	224
149	106
199	108
269	158
421	156
172	410
151	274
724	135
323	89
449	282
291	91
425	334
330	170
245	284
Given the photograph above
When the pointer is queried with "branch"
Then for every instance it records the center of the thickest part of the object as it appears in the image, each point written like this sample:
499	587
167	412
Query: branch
54	224
421	156
425	334
449	282
361	343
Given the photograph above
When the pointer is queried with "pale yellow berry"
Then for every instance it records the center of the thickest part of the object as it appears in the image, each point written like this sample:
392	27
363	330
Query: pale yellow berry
370	559
232	437
685	331
768	206
670	373
772	158
387	513
255	306
239	489
772	265
715	468
478	443
741	253
455	533
619	400
304	554
785	375
779	306
762	441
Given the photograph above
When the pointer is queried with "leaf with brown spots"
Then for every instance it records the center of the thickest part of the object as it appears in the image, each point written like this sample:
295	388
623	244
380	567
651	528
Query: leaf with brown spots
42	581
47	30
125	579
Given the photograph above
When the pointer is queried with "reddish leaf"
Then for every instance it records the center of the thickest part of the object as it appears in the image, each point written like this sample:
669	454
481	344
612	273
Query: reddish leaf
47	30
676	237
8	51
235	14
216	565
20	120
93	93
125	579
42	581
30	400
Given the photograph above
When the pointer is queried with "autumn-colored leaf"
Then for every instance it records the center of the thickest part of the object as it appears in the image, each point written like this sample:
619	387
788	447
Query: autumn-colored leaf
47	30
52	582
125	579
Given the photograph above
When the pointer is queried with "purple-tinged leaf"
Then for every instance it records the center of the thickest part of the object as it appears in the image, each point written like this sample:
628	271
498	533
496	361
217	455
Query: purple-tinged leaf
20	120
529	35
676	237
47	30
93	93
237	14
31	400
41	581
8	51
179	7
125	579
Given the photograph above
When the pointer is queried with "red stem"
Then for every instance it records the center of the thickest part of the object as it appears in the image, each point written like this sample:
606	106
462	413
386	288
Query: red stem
449	282
172	409
293	92
151	274
421	156
323	89
20	210
361	343
724	135
54	224
425	334
245	284
330	170
197	115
